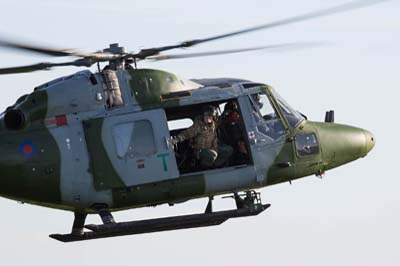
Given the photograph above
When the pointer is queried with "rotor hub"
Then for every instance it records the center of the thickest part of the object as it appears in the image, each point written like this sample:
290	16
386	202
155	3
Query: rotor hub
115	49
117	63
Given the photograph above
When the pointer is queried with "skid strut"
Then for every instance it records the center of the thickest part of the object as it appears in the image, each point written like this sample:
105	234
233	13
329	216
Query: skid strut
79	223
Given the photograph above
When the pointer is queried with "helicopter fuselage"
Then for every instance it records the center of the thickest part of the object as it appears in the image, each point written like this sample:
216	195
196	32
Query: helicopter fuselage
89	139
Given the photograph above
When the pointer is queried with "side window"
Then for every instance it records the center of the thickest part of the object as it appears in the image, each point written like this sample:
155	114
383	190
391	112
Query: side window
268	122
266	109
122	135
134	139
306	144
143	138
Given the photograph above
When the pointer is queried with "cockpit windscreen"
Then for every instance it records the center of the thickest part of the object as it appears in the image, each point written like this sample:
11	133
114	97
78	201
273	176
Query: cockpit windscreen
292	116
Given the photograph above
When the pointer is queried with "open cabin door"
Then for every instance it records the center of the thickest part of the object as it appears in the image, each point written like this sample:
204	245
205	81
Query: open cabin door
130	149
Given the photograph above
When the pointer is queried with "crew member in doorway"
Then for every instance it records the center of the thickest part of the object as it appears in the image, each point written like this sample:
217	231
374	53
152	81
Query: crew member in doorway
204	140
229	125
231	133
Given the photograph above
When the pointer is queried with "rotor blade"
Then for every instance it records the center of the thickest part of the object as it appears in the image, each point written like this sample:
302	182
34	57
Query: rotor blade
24	69
55	52
299	18
38	49
307	16
86	62
275	47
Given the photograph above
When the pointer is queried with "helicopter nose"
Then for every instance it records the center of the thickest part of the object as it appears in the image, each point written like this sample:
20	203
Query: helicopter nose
342	144
369	140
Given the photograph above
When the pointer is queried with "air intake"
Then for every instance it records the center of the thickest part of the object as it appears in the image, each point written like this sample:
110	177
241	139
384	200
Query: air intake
14	119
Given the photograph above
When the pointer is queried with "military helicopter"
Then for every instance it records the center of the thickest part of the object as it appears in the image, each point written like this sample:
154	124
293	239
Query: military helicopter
94	143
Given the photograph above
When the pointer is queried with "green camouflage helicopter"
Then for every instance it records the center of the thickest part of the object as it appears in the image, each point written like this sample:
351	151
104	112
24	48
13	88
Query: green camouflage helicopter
94	143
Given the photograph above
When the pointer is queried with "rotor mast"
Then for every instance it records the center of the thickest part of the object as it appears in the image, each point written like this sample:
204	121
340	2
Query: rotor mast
117	63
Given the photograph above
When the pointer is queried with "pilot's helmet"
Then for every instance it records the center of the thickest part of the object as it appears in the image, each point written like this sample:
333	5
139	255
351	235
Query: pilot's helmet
231	106
209	110
257	100
209	113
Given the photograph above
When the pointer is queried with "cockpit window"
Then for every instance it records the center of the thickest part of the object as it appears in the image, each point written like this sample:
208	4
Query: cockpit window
307	144
292	116
268	122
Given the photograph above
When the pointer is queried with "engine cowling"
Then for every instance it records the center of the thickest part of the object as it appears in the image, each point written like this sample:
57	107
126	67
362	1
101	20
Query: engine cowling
28	110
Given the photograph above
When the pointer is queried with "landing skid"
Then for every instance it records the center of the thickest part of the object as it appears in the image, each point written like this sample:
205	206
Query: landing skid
111	228
159	224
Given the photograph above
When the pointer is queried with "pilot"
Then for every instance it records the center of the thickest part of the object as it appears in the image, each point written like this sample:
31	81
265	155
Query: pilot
204	140
262	127
232	134
229	125
269	124
258	102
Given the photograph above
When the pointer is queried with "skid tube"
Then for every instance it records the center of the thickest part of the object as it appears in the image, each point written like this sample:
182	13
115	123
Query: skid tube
160	224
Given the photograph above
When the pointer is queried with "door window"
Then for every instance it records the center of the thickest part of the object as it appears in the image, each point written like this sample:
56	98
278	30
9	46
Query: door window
143	139
307	144
122	135
134	139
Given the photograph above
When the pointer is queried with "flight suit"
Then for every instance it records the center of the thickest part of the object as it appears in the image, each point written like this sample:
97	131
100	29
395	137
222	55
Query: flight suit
204	141
231	133
229	126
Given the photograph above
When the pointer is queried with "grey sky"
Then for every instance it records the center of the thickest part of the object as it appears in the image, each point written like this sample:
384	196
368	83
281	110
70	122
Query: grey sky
351	217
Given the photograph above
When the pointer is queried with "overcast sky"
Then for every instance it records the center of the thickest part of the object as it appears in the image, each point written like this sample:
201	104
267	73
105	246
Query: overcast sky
351	217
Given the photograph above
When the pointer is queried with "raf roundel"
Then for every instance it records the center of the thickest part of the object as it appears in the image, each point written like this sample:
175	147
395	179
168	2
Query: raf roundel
27	149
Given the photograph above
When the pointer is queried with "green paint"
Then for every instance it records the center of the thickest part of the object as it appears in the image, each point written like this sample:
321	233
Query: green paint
162	156
105	176
279	172
338	144
341	144
35	178
147	86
